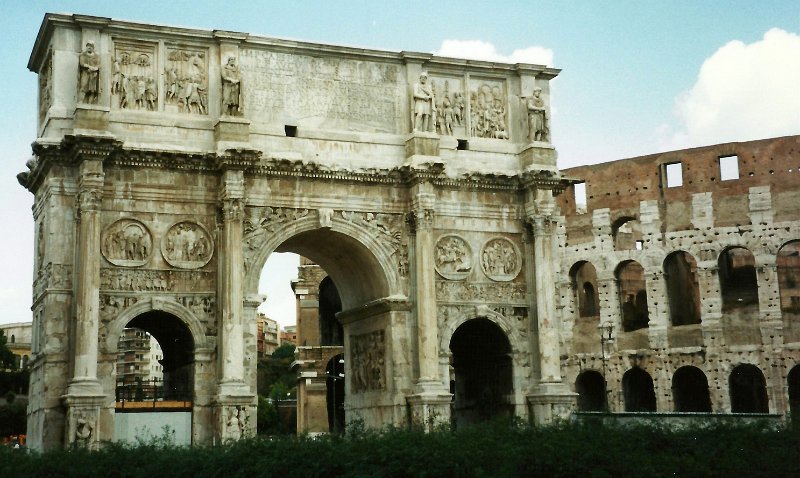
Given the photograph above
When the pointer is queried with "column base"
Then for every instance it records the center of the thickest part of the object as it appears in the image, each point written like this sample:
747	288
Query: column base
83	427
550	402
429	406
234	412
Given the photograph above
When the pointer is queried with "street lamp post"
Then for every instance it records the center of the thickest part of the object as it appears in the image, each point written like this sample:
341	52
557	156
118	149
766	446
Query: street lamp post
606	336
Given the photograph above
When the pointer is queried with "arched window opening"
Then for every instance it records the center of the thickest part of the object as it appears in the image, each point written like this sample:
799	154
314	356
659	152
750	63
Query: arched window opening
627	234
155	362
690	390
683	290
788	262
748	390
632	296
584	282
793	382
13	338
482	372
334	383
330	330
737	278
591	388
638	391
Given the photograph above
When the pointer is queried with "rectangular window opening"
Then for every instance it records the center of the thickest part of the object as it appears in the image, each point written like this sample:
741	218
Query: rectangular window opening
291	131
639	245
728	168
462	145
580	197
674	174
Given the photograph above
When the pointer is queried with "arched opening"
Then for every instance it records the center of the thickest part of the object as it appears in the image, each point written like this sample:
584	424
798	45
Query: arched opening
788	262
737	279
627	234
638	391
683	289
584	283
748	390
690	390
482	370
334	386
591	388
793	384
632	296
330	330
154	378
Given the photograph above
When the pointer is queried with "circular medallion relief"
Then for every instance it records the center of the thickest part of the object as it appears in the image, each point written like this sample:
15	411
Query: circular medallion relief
453	257
500	259
127	242
187	245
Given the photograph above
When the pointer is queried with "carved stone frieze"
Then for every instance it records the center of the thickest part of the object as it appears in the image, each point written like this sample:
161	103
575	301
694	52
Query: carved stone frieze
133	78
186	80
152	280
448	291
368	364
488	112
127	242
453	257
53	276
500	259
449	106
187	245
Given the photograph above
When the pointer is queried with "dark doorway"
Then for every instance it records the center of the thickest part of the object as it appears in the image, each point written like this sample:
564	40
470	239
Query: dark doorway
482	372
748	390
683	290
737	278
591	388
638	392
632	296
334	382
330	330
793	382
690	390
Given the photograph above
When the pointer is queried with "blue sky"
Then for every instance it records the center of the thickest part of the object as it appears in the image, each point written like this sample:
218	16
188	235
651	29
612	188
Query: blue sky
638	76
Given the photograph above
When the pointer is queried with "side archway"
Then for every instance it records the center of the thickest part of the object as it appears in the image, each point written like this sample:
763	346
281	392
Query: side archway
690	390
638	391
748	389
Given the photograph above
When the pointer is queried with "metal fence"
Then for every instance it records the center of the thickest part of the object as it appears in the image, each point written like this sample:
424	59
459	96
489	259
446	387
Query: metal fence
153	391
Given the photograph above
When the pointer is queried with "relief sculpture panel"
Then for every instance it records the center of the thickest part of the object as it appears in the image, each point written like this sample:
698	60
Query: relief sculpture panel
187	245
368	352
134	82
186	80
127	242
488	112
153	280
500	259
449	106
453	257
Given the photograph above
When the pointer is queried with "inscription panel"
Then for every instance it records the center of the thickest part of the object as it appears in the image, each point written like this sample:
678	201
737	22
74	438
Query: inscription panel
329	93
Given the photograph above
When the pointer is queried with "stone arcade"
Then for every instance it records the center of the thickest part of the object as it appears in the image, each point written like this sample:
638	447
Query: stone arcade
171	162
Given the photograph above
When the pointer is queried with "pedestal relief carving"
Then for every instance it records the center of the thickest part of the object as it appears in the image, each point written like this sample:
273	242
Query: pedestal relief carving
236	419
367	352
133	79
187	245
186	80
127	242
487	101
453	257
500	259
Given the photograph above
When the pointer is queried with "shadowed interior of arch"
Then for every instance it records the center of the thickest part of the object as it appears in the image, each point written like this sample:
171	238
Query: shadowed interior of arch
356	271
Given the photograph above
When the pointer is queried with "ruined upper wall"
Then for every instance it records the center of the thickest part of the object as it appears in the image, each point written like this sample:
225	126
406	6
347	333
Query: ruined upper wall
768	179
165	87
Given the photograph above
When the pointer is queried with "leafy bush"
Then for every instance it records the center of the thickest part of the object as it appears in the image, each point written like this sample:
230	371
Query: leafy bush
495	449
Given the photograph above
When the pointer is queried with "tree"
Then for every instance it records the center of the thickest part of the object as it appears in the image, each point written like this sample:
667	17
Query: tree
284	351
7	357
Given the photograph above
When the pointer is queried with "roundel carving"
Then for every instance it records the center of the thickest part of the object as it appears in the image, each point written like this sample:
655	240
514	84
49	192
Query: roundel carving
187	245
453	257
500	259
127	242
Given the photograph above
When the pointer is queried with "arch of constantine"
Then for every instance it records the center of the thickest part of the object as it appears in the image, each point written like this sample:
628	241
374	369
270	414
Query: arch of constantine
469	275
171	162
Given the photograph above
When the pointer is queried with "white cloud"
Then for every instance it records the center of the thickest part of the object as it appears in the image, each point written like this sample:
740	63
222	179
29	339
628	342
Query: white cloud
743	92
481	50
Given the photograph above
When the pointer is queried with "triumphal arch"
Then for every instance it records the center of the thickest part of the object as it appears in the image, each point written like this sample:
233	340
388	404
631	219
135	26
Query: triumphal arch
171	162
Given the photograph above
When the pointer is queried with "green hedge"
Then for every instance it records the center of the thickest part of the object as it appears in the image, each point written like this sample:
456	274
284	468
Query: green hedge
490	450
